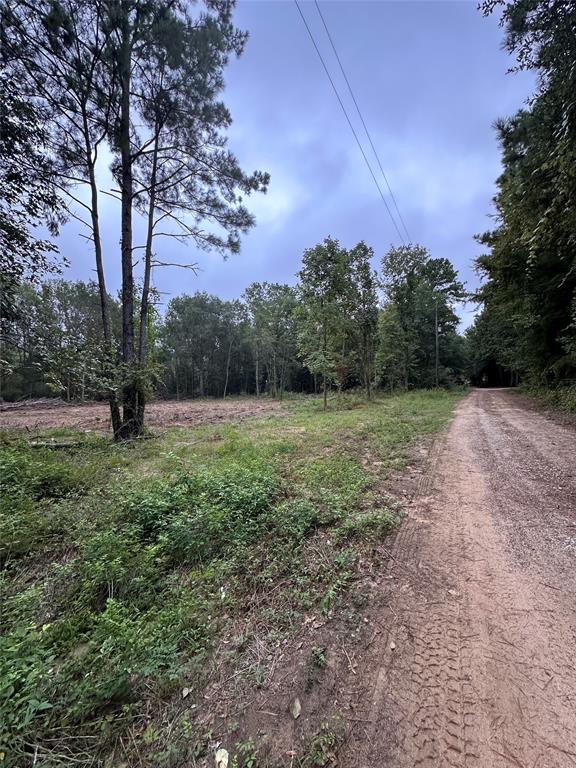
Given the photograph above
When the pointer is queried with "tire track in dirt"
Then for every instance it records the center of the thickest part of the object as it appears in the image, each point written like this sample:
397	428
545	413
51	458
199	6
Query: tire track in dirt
478	669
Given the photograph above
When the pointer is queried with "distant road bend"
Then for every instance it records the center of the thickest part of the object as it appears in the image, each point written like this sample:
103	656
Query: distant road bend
478	669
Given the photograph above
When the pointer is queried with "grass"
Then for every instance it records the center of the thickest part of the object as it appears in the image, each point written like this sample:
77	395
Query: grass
124	567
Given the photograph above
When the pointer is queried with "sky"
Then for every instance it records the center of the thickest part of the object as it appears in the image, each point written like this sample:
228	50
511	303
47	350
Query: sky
430	78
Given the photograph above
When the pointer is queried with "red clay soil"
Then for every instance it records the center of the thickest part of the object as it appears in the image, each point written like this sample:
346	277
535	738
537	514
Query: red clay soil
478	666
173	413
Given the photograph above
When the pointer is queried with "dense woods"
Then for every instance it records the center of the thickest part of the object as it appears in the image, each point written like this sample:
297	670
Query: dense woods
527	328
341	326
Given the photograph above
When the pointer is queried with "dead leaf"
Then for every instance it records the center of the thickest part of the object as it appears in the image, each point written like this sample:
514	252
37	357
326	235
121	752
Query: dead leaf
296	708
222	758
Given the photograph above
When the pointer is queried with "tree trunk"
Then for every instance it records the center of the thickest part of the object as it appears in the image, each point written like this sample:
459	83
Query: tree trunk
144	305
366	366
175	368
282	378
227	369
133	403
104	308
324	348
436	343
257	373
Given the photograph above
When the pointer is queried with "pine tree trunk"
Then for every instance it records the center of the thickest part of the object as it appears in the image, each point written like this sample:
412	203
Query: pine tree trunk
144	304
133	407
104	308
227	369
282	378
436	344
324	348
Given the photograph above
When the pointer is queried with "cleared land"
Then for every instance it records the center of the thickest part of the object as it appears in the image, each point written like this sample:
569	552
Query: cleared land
96	416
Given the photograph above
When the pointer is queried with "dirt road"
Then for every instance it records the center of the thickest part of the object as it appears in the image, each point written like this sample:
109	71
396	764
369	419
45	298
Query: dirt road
479	667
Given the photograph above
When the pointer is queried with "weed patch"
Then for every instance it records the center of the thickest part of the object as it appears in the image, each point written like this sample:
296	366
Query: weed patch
132	572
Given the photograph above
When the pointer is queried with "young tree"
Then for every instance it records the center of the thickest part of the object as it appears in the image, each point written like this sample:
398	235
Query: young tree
322	312
364	311
423	292
390	356
233	320
441	279
271	308
401	269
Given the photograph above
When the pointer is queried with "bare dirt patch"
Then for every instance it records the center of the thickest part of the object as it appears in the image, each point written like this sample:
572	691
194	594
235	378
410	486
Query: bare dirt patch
173	413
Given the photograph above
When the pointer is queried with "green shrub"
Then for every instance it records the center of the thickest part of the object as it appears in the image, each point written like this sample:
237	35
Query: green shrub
561	398
40	473
370	524
292	520
206	514
31	481
127	647
24	682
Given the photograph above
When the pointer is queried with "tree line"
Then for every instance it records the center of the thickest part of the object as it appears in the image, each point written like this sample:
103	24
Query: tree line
341	326
526	330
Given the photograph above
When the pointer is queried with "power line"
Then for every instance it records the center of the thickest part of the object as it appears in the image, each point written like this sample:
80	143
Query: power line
362	119
400	235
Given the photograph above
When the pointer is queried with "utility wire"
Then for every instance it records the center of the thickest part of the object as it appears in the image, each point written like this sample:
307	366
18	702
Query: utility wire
400	235
362	120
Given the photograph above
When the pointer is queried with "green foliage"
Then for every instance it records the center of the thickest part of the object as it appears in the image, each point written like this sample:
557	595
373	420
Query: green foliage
28	197
54	343
277	338
559	398
246	755
31	480
135	558
373	523
318	657
315	664
272	334
341	577
337	314
324	744
418	343
24	672
527	325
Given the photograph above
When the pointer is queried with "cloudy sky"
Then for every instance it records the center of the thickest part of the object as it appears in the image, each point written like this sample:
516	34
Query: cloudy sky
430	78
